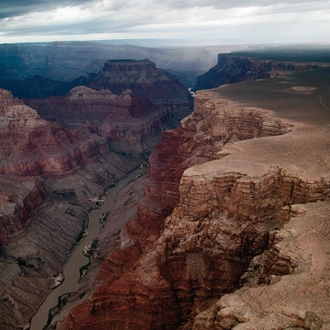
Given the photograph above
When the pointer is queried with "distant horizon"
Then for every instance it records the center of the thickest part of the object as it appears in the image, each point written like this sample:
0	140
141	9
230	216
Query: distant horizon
175	42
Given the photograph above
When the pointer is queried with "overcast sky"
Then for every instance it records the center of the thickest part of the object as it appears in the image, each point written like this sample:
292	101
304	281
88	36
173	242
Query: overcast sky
209	21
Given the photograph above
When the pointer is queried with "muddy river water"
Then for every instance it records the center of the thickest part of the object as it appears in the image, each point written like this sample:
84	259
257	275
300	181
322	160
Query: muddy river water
72	268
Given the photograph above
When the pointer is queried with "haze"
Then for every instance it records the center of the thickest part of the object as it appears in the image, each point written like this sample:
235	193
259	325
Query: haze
197	22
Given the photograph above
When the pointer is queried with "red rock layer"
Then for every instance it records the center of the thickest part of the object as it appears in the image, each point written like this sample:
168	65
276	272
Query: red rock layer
47	174
156	282
141	77
33	146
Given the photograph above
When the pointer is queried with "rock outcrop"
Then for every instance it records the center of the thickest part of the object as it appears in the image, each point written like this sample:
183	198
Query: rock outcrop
236	68
238	172
129	102
145	80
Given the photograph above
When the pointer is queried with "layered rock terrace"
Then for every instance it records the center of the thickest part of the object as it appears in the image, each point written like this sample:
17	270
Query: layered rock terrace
129	102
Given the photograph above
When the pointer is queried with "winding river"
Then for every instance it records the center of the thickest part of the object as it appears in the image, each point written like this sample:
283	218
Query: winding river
72	268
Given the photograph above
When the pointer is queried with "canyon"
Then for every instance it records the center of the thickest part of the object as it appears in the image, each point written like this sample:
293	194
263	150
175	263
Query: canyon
234	208
52	169
47	174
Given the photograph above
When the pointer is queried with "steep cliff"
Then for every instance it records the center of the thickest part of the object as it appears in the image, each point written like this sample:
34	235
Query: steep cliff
233	177
236	68
288	285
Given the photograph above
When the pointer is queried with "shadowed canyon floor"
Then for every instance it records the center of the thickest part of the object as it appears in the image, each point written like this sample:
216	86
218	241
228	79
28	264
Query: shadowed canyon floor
221	239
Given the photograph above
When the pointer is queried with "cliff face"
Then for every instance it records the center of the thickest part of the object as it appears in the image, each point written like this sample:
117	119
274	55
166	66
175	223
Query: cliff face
222	211
235	68
234	190
288	285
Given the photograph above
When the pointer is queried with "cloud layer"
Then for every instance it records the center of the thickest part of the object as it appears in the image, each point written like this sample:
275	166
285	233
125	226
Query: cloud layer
212	21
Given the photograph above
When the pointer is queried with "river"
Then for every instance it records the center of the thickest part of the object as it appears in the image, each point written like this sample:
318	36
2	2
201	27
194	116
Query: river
72	268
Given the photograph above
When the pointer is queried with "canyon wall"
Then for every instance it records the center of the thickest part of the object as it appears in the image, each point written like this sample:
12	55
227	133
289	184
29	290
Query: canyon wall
51	165
236	68
217	189
130	124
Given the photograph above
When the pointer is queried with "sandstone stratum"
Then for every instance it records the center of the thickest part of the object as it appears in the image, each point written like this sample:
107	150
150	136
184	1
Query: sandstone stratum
233	229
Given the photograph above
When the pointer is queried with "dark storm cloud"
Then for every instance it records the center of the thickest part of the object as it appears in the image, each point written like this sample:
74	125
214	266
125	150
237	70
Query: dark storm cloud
10	8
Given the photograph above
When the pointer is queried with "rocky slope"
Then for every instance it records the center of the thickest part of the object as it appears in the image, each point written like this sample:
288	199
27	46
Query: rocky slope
232	177
236	68
47	174
34	146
